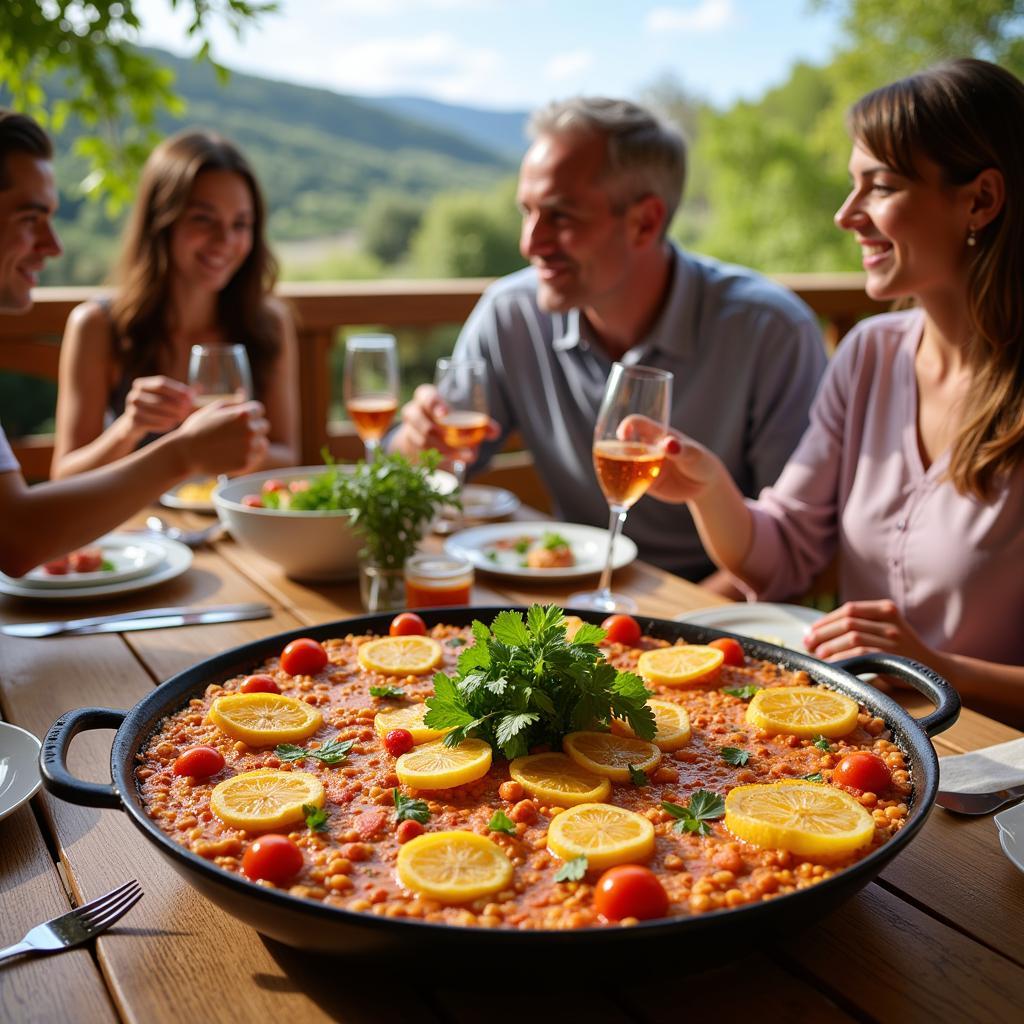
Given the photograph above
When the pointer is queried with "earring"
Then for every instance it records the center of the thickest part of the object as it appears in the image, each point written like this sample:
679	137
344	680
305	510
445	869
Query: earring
972	238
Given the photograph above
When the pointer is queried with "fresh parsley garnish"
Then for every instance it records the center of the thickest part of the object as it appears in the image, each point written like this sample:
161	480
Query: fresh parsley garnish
523	683
735	756
455	641
704	806
316	817
822	743
553	541
492	556
408	809
572	870
813	777
638	776
501	822
521	546
107	566
743	692
330	754
387	692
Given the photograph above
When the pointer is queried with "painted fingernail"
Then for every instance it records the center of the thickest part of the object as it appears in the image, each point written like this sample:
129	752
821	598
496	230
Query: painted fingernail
672	446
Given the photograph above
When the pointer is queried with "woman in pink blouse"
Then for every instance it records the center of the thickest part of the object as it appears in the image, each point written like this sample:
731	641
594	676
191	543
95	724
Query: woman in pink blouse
912	469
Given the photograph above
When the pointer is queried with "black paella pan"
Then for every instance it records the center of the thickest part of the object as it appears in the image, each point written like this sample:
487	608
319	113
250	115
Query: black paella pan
309	924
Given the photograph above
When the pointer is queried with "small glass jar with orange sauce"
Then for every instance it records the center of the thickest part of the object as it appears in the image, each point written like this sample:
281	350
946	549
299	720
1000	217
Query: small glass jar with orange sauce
435	580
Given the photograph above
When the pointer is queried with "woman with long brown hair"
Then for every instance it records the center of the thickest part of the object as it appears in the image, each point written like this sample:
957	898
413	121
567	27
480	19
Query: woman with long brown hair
194	269
912	469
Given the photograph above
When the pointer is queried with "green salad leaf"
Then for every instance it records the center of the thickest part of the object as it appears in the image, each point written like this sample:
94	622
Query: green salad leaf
522	683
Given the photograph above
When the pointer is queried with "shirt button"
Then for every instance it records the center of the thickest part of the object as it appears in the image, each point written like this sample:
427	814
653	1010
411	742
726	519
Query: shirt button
901	524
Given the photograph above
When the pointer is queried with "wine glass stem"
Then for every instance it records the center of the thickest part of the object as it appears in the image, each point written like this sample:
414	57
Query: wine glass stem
371	444
615	524
459	469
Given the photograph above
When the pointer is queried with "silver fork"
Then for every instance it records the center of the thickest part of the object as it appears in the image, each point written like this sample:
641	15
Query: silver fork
78	925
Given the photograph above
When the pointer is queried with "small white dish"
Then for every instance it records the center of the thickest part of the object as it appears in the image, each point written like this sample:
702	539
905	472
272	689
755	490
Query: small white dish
173	498
780	624
130	555
1011	834
589	546
175	559
19	767
482	502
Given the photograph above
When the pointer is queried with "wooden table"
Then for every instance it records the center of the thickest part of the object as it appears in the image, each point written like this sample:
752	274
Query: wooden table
939	936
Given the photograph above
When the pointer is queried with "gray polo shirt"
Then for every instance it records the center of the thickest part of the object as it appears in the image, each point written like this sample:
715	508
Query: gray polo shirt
747	357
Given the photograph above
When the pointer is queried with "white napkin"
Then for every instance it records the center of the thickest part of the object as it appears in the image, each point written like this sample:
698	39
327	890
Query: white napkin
984	771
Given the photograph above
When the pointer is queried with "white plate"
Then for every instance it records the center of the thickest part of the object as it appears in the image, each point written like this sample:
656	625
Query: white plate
176	558
171	499
19	767
130	555
482	502
1011	834
589	544
781	624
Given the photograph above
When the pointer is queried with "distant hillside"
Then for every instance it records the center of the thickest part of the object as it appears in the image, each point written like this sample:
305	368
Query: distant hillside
498	130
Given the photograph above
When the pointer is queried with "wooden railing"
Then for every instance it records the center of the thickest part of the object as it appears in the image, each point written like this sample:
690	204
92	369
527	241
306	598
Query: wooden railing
30	343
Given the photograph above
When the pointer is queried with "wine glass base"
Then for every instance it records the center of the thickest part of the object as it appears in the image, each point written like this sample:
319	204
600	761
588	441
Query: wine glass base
601	601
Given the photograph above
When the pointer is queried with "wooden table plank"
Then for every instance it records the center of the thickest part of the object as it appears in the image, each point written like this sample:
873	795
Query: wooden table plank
43	989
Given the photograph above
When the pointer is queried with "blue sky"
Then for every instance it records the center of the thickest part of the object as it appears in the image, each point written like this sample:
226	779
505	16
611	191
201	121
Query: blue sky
516	54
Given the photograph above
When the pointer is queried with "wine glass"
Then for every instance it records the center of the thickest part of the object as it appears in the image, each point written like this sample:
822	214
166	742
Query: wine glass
371	386
219	371
625	467
462	386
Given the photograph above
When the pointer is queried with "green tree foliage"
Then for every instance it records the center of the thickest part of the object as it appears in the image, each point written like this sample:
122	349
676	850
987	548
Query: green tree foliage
389	224
469	235
73	59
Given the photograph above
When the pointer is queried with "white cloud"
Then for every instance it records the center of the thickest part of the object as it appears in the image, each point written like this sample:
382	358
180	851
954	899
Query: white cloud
389	8
568	65
704	16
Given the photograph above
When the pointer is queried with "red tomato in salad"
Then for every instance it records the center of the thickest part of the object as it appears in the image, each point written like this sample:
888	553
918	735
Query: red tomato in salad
272	485
630	890
199	762
298	486
252	501
57	567
303	657
398	742
731	649
259	684
622	629
408	624
864	771
272	858
86	559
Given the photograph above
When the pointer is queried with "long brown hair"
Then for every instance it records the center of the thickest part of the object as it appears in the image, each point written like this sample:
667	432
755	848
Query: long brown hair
140	305
966	116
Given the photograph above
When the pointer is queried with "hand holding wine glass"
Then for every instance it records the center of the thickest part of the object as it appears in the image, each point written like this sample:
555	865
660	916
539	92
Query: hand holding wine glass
371	386
625	466
462	386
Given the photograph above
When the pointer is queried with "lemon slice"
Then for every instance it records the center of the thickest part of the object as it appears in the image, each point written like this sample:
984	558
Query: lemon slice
400	655
265	799
558	780
672	724
265	719
605	754
682	665
410	718
806	818
603	833
435	766
453	867
806	711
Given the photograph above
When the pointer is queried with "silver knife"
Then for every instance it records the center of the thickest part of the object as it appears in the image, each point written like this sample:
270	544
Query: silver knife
979	803
151	618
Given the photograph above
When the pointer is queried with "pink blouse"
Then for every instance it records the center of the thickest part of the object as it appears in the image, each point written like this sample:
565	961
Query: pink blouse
856	484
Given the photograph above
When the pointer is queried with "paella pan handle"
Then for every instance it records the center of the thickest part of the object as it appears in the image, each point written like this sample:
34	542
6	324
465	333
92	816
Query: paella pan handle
920	677
54	755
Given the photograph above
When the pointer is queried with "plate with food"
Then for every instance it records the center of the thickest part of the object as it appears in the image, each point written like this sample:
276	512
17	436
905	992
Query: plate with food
486	782
540	550
781	624
191	496
112	559
19	767
173	559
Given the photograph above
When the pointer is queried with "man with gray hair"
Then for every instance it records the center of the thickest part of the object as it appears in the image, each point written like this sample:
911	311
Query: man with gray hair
598	188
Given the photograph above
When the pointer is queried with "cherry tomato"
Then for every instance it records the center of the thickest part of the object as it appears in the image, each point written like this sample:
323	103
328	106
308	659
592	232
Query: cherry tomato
58	567
398	742
272	485
864	771
272	858
252	501
259	684
86	560
303	657
408	624
298	486
731	649
407	830
199	762
630	890
622	629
